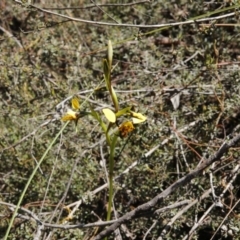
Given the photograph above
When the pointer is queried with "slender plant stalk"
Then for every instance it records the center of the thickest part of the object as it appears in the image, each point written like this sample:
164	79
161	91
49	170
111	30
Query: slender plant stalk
30	180
106	130
111	166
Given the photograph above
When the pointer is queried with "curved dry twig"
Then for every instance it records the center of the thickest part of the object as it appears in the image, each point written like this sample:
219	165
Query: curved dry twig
216	203
180	183
10	35
102	5
181	212
165	209
132	25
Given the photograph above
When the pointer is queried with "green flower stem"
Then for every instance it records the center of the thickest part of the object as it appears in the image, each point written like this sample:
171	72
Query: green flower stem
111	166
108	138
30	180
114	99
107	77
106	131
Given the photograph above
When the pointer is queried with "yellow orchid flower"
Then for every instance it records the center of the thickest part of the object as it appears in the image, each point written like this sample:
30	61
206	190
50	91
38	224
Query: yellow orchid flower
72	115
110	115
126	128
75	103
137	117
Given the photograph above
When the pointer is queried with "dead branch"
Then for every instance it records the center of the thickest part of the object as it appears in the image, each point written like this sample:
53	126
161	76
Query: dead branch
180	183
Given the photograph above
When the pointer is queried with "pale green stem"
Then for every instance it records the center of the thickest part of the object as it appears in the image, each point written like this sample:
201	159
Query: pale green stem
30	179
111	166
106	130
114	99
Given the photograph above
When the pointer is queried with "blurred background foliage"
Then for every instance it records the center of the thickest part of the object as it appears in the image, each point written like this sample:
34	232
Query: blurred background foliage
176	76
